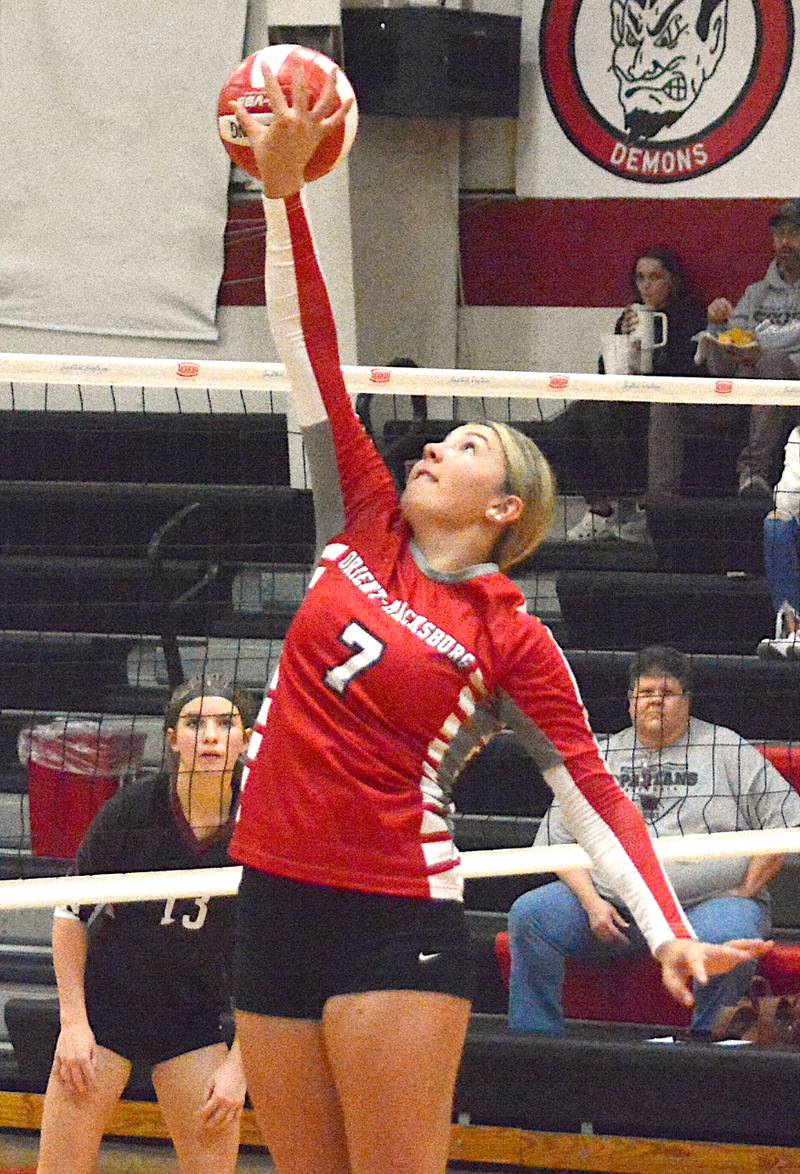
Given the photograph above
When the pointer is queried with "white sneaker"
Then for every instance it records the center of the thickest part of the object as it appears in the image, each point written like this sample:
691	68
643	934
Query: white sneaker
754	485
635	529
786	644
592	527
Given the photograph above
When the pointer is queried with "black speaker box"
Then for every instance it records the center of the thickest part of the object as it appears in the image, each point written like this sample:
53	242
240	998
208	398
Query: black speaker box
432	62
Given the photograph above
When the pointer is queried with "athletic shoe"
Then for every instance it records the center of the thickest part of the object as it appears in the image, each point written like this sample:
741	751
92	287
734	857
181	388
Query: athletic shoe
786	643
754	485
788	648
635	529
592	527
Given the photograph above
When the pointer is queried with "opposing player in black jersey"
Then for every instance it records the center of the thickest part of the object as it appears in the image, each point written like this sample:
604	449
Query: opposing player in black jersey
148	982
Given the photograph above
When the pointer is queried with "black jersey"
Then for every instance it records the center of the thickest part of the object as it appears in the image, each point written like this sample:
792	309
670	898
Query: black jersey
174	952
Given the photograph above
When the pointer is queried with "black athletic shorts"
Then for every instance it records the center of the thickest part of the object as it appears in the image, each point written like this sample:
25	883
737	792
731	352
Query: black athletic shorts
299	944
150	1039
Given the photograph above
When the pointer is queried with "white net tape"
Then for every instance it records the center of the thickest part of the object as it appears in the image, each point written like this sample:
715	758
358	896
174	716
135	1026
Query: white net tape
43	892
211	373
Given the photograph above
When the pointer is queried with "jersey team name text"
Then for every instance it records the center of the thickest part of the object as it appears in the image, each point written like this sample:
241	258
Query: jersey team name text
354	568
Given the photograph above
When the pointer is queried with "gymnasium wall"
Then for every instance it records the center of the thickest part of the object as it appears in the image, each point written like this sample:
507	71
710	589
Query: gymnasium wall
431	253
556	206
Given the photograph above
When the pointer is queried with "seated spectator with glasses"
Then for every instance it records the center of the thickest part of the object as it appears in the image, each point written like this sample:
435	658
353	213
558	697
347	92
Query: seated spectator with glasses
686	776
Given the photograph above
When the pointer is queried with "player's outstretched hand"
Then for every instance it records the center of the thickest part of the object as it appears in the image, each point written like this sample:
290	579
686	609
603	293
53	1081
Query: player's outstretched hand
683	960
75	1060
226	1091
283	148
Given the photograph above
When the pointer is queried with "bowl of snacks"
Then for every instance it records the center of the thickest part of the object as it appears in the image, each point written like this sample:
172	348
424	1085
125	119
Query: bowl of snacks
737	339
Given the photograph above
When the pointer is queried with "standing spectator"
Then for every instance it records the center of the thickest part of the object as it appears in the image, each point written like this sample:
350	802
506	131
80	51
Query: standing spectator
781	558
608	436
686	776
770	308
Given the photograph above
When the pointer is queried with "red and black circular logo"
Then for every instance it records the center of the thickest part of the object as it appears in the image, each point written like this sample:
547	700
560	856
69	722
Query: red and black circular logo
659	91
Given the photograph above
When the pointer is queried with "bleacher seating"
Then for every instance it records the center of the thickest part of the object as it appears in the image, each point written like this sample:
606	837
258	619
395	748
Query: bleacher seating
612	1080
93	557
121	523
757	698
630	990
708	535
722	614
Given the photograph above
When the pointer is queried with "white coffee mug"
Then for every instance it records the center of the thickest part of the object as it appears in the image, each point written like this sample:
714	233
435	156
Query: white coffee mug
644	330
621	354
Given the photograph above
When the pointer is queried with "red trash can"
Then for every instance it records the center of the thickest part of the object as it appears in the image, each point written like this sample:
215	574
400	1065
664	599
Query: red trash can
74	765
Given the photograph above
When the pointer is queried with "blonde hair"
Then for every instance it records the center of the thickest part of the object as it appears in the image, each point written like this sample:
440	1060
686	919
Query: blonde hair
529	477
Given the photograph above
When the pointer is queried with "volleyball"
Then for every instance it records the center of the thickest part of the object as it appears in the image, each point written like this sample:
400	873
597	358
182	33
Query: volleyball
246	84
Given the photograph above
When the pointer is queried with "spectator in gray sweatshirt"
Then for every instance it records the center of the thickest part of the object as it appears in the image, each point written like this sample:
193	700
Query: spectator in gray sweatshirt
687	776
770	309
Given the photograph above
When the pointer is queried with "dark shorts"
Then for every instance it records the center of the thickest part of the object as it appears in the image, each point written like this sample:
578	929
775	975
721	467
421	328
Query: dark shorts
152	1038
297	945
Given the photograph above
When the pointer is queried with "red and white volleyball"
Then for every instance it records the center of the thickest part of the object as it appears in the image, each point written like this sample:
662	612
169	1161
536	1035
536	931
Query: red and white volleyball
246	84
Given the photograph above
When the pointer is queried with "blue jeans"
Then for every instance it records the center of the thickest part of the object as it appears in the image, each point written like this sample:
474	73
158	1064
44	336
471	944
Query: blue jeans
781	561
549	924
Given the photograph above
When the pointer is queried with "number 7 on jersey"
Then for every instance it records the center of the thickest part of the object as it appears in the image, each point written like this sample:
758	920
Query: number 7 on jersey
367	651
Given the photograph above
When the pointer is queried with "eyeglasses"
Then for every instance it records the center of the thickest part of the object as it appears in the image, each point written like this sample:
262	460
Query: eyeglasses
657	695
785	232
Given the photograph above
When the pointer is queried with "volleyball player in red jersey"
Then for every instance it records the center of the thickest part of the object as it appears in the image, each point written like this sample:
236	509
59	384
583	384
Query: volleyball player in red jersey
409	649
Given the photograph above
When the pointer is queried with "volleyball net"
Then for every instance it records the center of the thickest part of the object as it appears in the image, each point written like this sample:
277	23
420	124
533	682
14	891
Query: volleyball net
158	525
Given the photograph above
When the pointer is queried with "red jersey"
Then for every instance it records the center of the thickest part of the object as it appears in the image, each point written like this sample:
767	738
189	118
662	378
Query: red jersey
392	674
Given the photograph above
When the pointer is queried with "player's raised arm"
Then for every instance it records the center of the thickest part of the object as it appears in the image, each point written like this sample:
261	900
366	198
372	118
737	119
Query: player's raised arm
297	298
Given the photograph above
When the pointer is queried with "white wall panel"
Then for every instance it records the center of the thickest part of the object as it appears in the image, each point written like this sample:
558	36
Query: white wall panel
519	338
404	206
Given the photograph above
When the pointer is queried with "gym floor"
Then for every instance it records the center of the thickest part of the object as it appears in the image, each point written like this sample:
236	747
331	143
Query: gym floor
18	1153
